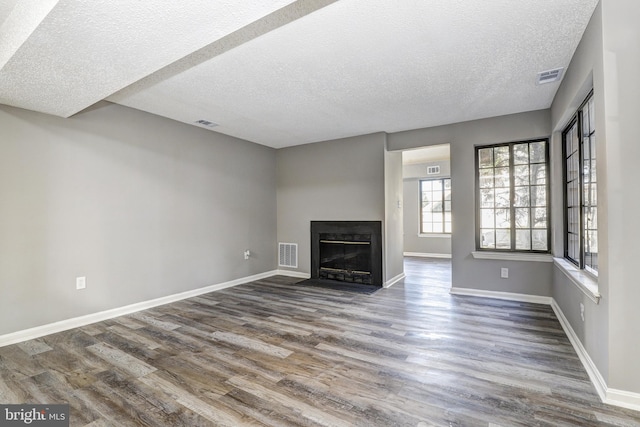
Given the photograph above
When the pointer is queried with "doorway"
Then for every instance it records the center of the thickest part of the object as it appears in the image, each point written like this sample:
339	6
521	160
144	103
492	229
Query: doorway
427	187
427	214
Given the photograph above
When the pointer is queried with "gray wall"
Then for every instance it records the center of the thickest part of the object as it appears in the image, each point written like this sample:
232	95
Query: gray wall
393	226
329	181
584	73
608	59
413	242
142	206
525	277
419	170
621	35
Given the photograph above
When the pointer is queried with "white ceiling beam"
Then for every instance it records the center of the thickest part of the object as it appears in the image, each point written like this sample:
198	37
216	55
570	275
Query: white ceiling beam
262	26
21	21
82	51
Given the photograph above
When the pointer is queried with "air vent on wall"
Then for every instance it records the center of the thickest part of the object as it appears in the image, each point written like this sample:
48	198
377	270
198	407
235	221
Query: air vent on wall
288	255
206	123
549	76
433	170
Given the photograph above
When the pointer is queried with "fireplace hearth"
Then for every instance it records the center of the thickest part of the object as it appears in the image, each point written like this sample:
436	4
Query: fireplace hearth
347	251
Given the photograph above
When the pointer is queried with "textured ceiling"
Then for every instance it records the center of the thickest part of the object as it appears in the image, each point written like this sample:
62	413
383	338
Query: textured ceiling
428	154
283	73
83	51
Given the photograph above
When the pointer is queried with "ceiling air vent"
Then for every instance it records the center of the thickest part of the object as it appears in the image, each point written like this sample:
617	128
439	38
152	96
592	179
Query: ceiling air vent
206	123
549	76
433	170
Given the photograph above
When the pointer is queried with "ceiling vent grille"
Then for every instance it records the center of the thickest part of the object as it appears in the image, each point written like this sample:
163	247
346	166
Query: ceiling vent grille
206	123
288	255
433	170
549	76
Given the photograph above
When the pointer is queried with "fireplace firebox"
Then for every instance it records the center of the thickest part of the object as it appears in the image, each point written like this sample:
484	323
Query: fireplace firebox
347	251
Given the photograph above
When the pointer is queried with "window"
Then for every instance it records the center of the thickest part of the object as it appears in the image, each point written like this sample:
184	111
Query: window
513	197
435	202
580	201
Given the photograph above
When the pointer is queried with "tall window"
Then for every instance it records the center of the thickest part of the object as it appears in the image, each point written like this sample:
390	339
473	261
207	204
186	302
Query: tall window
513	197
435	198
581	211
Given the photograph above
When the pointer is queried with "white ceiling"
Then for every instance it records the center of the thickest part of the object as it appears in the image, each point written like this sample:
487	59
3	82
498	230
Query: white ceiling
285	72
432	153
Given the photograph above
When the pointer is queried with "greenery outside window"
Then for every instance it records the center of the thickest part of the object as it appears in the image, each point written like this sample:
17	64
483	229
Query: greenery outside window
435	202
512	196
580	189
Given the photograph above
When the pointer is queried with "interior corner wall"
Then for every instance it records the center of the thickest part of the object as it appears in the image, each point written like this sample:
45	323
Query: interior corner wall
621	61
394	208
533	278
585	72
340	180
142	206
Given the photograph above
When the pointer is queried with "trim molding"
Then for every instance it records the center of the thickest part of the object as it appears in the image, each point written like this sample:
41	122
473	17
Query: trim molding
610	396
508	296
512	256
394	280
291	273
76	322
624	399
426	255
621	398
594	374
582	280
435	235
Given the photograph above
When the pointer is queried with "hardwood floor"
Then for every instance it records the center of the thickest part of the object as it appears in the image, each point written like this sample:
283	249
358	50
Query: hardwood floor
273	353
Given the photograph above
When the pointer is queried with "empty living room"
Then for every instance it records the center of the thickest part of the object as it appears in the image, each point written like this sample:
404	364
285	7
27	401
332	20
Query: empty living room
319	213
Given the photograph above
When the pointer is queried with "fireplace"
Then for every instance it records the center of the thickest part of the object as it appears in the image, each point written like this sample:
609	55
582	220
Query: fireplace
347	251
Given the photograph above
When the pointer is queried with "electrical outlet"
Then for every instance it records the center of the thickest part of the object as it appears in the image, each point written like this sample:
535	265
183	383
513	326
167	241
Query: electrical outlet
81	282
247	254
504	273
582	311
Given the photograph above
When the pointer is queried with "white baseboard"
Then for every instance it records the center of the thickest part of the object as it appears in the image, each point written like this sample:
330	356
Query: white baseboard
508	296
624	399
593	372
610	396
291	273
427	255
76	322
394	280
621	398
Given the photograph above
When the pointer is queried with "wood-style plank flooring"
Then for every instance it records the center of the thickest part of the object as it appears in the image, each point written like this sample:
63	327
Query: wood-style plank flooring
276	354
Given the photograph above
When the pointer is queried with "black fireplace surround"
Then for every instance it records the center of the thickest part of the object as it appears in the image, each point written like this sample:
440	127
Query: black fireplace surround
347	251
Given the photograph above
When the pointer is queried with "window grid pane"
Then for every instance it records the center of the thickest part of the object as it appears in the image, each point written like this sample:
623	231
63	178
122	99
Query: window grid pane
435	202
589	182
512	196
581	229
572	171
